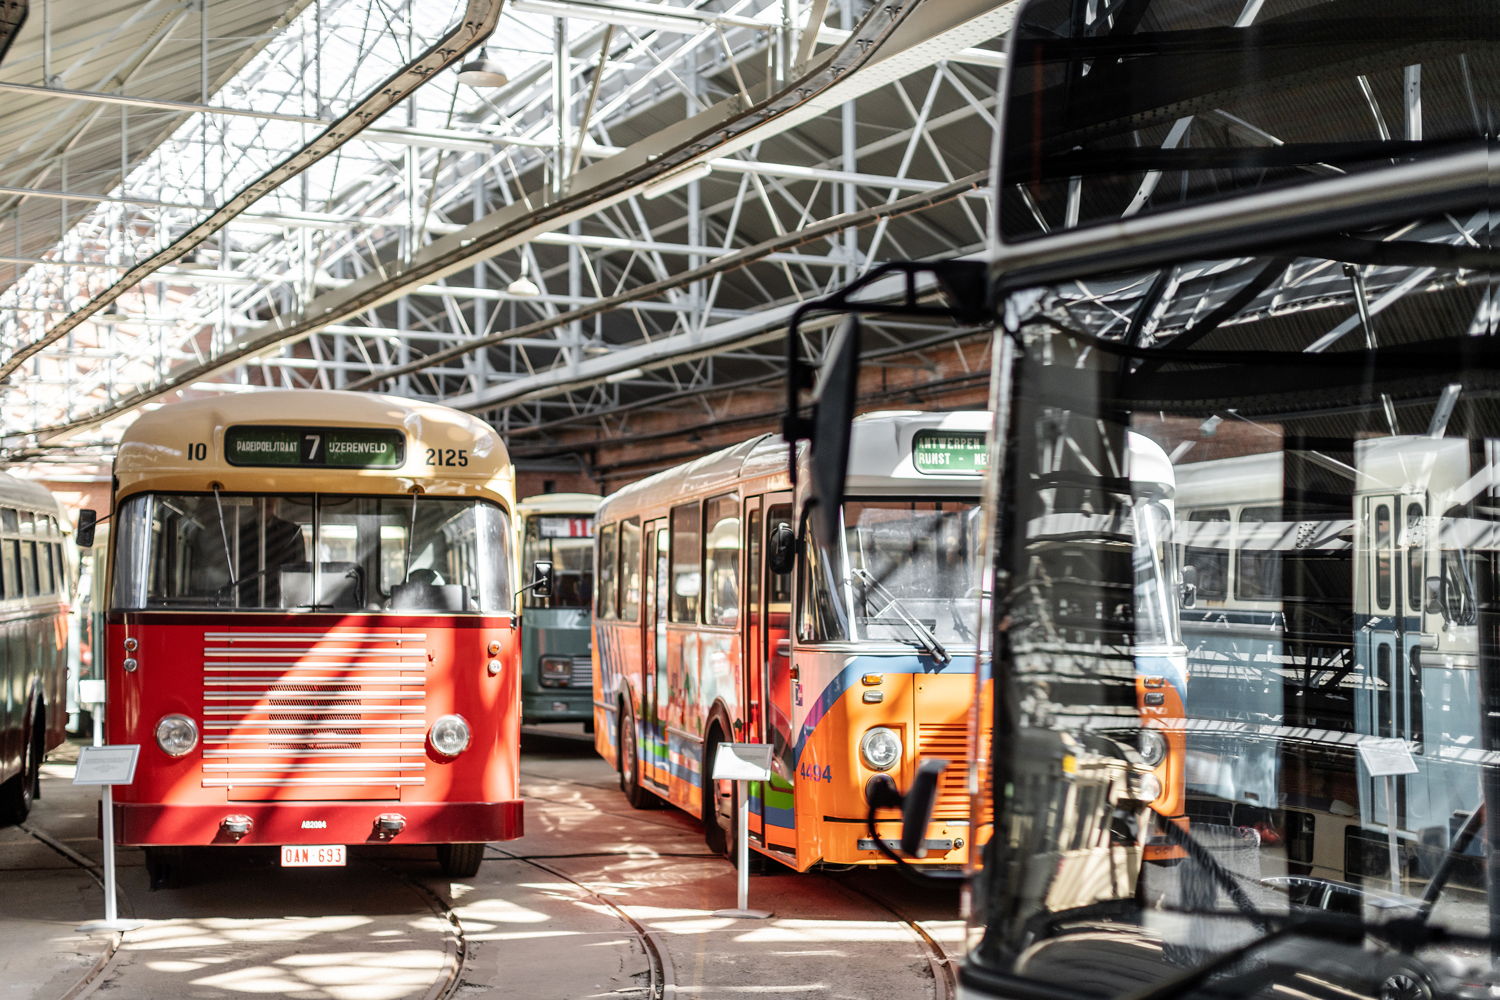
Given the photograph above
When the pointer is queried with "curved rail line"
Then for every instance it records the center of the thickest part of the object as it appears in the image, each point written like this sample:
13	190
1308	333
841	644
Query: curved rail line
944	979
662	985
93	871
455	945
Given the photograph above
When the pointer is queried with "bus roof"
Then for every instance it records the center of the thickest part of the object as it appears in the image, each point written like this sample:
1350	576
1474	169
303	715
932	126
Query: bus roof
21	493
560	503
881	462
442	450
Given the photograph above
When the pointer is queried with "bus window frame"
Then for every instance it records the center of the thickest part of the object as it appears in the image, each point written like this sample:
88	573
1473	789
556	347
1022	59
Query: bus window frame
707	604
685	557
628	526
606	590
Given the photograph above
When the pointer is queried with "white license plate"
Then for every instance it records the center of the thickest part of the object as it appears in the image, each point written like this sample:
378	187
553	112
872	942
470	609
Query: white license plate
314	856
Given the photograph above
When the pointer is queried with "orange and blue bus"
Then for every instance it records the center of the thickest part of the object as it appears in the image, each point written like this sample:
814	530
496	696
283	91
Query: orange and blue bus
310	630
716	621
35	582
557	672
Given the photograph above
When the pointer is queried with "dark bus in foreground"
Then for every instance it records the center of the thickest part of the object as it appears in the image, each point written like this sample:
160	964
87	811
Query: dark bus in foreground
1260	235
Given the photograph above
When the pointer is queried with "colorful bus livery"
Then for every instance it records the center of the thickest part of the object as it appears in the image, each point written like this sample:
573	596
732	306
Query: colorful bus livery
715	621
35	581
310	630
557	670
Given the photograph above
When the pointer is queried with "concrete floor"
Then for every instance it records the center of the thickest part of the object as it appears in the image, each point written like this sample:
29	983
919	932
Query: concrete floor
596	899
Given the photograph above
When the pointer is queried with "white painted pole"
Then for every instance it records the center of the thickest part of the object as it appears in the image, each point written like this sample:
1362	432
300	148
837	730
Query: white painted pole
111	916
742	849
1390	831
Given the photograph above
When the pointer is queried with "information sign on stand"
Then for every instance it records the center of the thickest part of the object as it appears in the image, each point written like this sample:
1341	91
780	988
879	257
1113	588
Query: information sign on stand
108	766
1388	758
743	763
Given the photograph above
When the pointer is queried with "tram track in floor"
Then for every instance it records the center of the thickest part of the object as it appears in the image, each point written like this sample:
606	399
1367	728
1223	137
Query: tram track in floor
944	978
94	871
455	946
661	983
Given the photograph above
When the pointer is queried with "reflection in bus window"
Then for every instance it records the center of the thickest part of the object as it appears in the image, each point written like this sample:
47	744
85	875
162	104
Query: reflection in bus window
687	582
1209	558
1382	544
630	569
609	559
1259	562
721	560
566	542
279	552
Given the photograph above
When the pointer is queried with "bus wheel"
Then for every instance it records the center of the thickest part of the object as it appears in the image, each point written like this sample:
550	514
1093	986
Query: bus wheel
17	794
460	860
720	821
630	764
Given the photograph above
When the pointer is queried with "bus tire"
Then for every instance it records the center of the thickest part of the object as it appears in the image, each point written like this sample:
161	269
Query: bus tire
17	794
629	756
720	817
460	860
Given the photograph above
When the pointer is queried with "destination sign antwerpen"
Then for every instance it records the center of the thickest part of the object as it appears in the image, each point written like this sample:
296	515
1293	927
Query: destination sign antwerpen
317	447
949	452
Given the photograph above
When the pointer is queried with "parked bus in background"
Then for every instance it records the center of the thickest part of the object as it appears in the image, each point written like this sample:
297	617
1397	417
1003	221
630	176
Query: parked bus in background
557	671
1261	235
714	624
310	630
36	579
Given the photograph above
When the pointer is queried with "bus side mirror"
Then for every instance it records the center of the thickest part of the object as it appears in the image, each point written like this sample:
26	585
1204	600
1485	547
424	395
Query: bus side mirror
1434	603
781	549
833	414
1189	586
84	534
541	578
917	805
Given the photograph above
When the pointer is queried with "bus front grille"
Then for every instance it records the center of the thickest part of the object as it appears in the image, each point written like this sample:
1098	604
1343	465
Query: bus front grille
947	741
583	672
286	710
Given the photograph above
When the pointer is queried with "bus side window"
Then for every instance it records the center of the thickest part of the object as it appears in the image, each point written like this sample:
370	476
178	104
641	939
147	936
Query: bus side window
630	569
778	585
609	557
721	560
687	576
8	584
1259	571
1210	557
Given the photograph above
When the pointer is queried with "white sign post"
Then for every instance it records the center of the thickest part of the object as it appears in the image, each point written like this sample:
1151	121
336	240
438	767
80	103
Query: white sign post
1386	758
91	693
743	763
108	766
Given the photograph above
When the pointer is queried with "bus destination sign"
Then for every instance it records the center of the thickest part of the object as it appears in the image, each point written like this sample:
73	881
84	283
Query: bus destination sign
951	453
315	447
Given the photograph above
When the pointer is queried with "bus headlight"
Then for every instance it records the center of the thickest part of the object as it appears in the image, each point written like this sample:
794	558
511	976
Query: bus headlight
1147	787
449	735
557	671
1152	746
176	735
880	748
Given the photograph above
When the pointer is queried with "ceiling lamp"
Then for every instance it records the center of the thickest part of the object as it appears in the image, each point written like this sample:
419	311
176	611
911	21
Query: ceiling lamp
523	288
482	72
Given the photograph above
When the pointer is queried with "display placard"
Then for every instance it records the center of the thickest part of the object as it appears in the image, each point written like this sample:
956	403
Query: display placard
742	762
1384	756
315	447
949	453
108	765
565	527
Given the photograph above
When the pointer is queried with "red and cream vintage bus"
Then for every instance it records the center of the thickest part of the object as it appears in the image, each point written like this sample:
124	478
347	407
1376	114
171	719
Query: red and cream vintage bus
716	622
310	628
35	581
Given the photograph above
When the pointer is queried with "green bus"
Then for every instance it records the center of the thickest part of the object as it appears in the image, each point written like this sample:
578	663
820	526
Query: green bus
557	672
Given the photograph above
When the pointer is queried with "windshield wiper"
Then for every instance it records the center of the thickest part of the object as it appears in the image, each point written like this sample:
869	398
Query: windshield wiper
925	637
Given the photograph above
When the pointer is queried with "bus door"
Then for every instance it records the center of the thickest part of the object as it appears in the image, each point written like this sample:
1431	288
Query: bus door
1389	630
653	738
776	644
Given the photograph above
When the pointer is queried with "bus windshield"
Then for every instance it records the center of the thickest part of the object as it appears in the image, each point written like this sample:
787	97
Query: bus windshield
909	567
311	552
566	541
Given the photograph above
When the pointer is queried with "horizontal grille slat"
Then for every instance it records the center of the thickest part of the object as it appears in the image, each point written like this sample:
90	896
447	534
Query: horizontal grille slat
583	672
286	709
947	741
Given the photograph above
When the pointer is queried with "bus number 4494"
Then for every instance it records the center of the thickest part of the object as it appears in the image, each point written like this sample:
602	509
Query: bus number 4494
810	772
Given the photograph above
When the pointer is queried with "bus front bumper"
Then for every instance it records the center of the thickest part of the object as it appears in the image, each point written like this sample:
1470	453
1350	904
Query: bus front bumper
318	822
